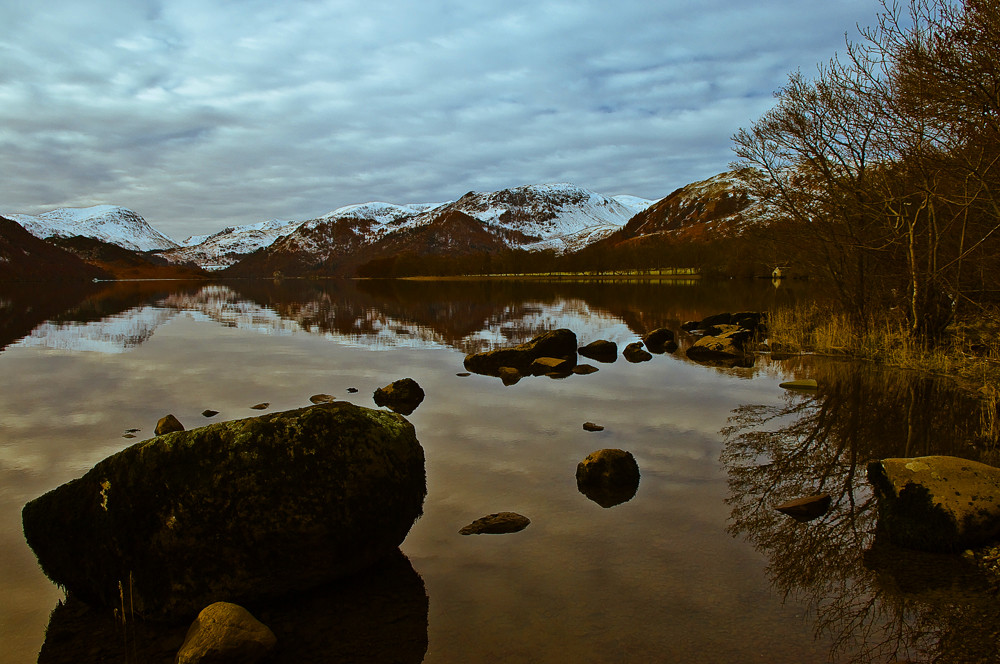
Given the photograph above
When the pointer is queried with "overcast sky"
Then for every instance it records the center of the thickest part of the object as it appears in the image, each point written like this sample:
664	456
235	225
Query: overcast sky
199	114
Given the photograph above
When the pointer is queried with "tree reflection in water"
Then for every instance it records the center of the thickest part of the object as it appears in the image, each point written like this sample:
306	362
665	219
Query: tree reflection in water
877	603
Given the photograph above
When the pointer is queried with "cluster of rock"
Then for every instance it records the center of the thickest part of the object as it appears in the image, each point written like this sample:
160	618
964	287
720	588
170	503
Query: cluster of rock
726	338
238	511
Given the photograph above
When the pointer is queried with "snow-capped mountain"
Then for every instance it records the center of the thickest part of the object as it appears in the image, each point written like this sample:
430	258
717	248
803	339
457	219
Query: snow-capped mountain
108	223
562	217
222	249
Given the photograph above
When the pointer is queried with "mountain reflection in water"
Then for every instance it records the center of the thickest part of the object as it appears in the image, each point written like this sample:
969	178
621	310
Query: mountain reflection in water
877	601
667	575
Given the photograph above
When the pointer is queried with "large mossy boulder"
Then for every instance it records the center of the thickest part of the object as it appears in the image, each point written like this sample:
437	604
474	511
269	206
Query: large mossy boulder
559	343
937	503
234	511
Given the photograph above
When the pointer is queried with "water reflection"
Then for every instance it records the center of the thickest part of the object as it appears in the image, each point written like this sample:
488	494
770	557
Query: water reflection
377	616
876	602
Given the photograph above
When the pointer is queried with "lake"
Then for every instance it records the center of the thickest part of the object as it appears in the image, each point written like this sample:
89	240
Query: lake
696	567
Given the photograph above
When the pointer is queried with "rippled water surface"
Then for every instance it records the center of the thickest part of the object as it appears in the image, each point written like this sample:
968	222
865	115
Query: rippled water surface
697	567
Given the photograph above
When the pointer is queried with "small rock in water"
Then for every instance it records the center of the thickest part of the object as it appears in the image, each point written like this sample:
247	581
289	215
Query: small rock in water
804	384
401	396
509	375
225	632
600	350
352	390
132	430
496	524
608	477
128	435
584	369
261	406
547	365
464	374
168	424
660	340
806	508
209	413
634	353
590	426
321	398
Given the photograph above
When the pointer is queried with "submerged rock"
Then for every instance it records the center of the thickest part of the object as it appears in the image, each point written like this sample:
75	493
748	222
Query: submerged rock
559	343
209	413
168	424
585	369
728	347
233	511
261	406
590	426
600	350
403	396
802	384
225	632
660	340
806	508
322	398
608	477
634	353
496	524
509	375
937	503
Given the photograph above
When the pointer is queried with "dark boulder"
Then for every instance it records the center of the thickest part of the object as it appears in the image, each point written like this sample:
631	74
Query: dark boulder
322	398
660	340
559	343
496	524
608	477
634	353
233	511
600	350
585	369
590	426
937	503
509	375
168	424
402	396
209	413
729	347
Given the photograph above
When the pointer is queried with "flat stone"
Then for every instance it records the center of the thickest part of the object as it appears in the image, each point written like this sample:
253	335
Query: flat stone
322	398
601	350
802	384
209	413
590	426
585	369
261	406
546	365
496	524
806	508
937	503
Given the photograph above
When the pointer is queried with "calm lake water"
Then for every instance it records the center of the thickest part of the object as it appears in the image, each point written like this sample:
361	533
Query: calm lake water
697	567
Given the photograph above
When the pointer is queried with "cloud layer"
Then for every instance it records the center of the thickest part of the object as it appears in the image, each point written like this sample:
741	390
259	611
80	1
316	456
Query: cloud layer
200	114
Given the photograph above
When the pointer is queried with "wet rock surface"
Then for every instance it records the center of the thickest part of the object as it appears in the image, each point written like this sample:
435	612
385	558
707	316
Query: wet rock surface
634	352
608	477
322	398
233	511
600	350
660	340
937	503
590	426
226	632
167	424
560	343
497	524
402	396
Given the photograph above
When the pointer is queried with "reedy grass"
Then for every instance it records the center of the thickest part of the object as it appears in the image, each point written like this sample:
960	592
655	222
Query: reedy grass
969	352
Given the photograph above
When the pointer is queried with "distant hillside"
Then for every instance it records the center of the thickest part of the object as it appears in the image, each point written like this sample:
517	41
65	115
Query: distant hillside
123	263
24	257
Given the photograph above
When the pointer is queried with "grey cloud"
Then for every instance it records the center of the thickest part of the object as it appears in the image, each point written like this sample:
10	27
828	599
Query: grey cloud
200	115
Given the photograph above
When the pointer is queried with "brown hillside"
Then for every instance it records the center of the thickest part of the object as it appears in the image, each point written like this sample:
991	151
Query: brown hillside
124	263
24	257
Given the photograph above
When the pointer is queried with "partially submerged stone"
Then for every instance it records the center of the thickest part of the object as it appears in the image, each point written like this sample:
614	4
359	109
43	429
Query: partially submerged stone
322	398
263	405
402	396
634	352
546	365
728	347
226	632
168	424
496	524
509	375
209	413
234	511
590	426
937	503
609	477
660	340
806	508
600	350
804	384
584	369
559	343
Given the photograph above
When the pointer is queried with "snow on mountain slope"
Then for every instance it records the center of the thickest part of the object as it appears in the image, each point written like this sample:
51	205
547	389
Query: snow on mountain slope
222	249
108	223
634	203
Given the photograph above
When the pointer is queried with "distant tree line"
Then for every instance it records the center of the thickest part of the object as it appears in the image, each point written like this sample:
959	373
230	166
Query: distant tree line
882	171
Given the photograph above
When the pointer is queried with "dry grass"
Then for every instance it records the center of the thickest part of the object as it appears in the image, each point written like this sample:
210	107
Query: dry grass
970	353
